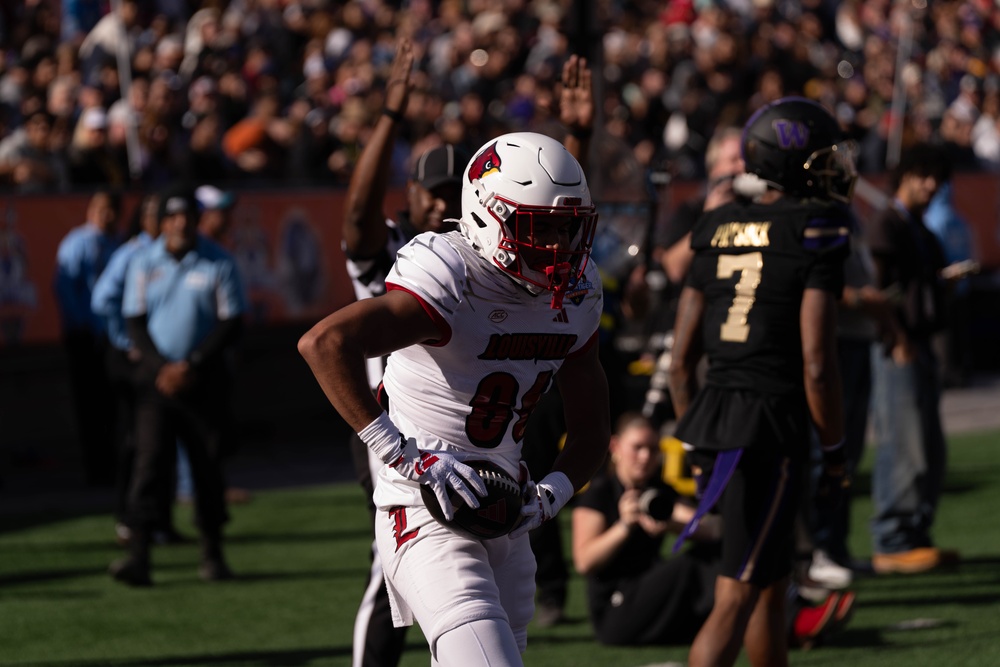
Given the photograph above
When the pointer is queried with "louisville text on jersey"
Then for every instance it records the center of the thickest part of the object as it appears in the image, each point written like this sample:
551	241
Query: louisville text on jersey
742	235
528	346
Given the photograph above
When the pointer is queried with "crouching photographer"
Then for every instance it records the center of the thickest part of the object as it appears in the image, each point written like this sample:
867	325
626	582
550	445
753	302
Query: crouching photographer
636	596
619	524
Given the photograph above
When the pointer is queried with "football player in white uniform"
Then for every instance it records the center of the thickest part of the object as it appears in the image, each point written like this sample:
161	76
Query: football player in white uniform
480	321
370	243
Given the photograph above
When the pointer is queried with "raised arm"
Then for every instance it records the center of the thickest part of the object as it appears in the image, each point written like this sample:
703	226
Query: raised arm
576	107
364	230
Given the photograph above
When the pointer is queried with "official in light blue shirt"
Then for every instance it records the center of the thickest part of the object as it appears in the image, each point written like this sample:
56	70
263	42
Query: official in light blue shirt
182	306
183	298
82	256
109	291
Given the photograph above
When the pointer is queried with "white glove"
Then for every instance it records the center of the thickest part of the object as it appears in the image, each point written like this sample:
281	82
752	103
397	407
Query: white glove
440	471
542	501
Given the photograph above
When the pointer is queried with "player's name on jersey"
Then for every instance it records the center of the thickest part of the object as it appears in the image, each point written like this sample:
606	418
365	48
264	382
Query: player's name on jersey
528	346
741	235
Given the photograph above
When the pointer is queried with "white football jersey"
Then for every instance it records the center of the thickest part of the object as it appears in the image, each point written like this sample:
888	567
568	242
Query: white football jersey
471	392
368	279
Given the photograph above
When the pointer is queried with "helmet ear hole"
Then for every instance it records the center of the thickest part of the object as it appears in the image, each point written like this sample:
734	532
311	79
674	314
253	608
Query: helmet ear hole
479	221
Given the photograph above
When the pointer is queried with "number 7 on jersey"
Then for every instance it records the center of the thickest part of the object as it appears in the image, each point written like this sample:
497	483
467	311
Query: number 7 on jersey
735	329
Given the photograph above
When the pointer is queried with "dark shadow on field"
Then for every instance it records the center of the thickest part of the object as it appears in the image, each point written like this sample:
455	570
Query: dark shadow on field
281	658
40	576
83	546
288	538
988	598
881	643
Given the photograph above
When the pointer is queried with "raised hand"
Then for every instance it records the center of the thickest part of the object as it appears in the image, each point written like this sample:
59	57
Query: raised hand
397	88
576	96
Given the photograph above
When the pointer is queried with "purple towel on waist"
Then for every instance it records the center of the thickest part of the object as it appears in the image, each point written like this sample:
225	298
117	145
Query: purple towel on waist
725	465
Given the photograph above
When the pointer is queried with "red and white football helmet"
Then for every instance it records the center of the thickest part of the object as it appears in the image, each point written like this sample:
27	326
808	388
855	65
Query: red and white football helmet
526	208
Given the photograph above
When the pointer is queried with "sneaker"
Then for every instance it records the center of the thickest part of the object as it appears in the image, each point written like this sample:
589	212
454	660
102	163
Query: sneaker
913	561
238	496
214	569
548	615
812	624
844	611
826	572
170	536
123	534
130	571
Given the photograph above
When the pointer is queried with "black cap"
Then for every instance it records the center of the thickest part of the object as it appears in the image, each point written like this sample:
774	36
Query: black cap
439	166
176	200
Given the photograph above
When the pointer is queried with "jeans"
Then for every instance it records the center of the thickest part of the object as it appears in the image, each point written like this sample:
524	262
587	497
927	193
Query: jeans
910	453
185	482
831	526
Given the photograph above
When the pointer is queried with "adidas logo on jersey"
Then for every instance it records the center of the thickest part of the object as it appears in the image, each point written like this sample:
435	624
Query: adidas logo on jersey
561	317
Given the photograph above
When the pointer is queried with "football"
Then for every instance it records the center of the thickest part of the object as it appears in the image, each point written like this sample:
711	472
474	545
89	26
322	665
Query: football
498	511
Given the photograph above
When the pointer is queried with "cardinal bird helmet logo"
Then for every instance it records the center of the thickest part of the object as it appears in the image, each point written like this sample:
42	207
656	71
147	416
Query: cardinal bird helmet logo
487	162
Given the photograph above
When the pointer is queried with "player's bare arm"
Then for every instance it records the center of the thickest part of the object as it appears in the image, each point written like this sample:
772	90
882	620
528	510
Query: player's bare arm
820	368
364	229
336	349
687	349
584	389
576	106
676	259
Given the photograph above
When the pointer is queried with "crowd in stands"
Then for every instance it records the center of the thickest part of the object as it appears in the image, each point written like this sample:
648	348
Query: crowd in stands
251	92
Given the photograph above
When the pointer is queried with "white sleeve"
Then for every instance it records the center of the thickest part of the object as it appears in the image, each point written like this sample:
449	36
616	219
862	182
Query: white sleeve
432	270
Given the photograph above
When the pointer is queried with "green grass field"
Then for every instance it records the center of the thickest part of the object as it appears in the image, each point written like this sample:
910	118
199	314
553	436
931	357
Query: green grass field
301	557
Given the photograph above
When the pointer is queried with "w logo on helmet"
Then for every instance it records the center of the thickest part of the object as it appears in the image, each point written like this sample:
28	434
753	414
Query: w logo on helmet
487	162
791	134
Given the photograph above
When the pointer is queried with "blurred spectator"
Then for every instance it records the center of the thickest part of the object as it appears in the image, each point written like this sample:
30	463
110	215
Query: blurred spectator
670	78
955	343
27	161
111	32
82	256
215	220
254	144
90	160
909	469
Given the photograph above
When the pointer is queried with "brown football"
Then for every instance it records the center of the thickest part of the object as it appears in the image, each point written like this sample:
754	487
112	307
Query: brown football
498	511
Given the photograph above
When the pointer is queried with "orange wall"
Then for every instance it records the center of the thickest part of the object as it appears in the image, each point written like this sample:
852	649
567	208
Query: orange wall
288	248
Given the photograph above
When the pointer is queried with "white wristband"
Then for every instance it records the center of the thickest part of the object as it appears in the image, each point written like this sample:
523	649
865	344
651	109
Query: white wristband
560	487
382	437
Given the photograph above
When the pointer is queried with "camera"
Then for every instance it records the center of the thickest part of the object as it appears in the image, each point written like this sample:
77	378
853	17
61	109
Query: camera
656	504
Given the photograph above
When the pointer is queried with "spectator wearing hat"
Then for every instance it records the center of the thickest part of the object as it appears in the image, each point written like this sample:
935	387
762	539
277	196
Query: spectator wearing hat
90	161
216	217
216	207
183	309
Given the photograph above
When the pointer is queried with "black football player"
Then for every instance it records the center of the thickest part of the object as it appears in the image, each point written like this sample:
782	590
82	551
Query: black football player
760	302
